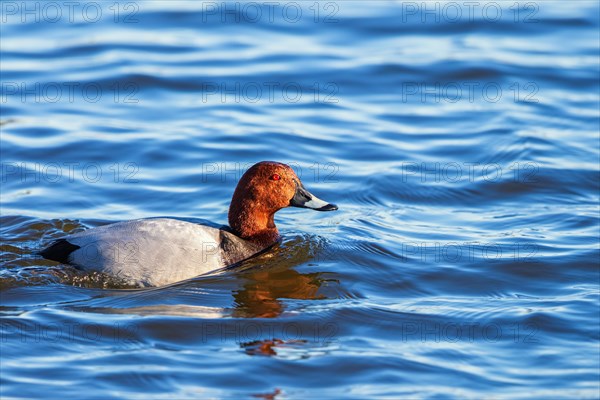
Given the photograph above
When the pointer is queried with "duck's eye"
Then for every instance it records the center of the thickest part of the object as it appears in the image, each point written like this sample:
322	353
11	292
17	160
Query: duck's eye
275	177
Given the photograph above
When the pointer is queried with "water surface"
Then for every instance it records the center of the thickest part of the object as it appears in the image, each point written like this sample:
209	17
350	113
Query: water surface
462	150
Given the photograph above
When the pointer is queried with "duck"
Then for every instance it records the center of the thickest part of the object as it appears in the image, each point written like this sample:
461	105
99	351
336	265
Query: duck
159	251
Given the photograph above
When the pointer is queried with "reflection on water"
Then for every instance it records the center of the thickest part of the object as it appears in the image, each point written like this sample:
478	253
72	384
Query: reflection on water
267	347
264	292
268	396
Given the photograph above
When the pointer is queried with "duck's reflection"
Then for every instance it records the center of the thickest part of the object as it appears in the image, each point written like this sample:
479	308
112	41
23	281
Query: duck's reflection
268	396
268	347
265	285
260	296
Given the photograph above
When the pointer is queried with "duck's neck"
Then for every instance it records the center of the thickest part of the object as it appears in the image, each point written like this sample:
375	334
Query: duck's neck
251	223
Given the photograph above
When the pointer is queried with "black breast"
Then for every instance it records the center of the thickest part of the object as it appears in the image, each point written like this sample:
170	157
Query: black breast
234	249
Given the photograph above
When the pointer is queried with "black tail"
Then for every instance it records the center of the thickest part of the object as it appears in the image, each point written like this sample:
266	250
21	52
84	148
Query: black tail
59	251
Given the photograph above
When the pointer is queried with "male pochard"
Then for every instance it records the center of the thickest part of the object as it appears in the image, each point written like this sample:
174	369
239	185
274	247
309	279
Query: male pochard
159	251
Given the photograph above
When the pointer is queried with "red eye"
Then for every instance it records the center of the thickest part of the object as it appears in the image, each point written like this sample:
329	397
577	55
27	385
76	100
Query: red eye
275	177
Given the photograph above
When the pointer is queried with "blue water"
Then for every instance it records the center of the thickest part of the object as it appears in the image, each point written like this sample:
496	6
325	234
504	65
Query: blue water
460	142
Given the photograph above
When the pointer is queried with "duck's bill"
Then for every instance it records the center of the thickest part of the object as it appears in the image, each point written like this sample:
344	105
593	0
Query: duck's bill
305	199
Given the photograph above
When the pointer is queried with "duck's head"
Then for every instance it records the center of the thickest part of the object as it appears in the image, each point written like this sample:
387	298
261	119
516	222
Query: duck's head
264	189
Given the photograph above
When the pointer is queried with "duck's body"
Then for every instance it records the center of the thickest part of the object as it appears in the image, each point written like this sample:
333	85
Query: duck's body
152	252
159	251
